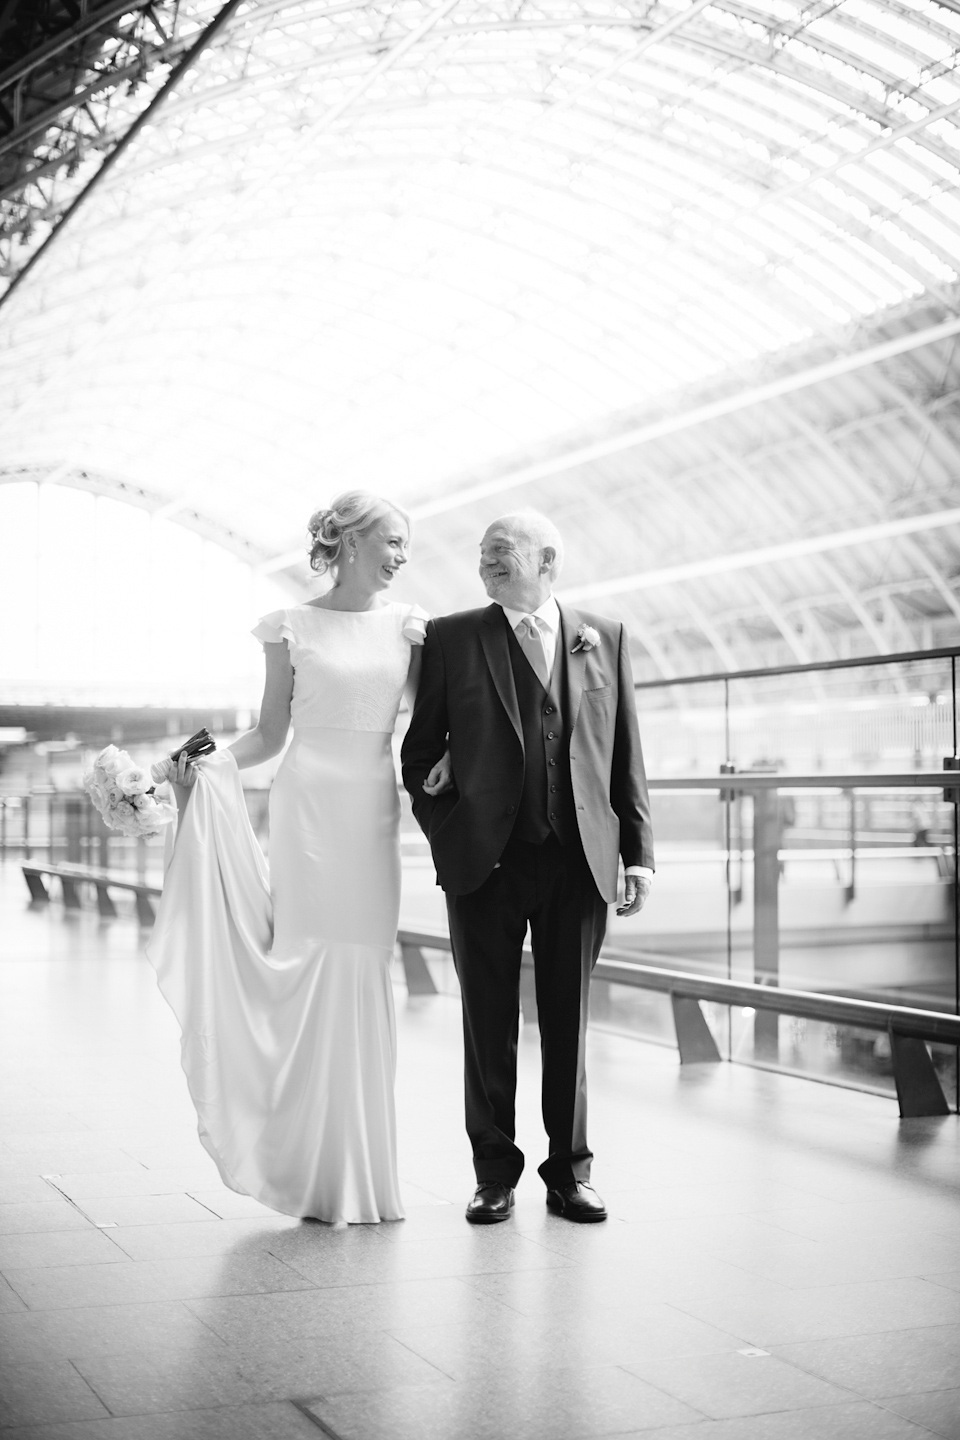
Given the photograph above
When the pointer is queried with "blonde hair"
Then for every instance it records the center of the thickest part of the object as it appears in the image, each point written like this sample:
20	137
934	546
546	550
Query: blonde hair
353	513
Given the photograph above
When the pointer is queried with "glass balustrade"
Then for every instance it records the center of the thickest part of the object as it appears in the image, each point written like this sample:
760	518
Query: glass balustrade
806	838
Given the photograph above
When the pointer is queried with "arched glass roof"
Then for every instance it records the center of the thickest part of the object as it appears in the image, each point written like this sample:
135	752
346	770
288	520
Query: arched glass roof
422	246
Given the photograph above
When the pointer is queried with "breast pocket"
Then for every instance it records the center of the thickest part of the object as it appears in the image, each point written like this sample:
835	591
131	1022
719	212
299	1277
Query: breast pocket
601	693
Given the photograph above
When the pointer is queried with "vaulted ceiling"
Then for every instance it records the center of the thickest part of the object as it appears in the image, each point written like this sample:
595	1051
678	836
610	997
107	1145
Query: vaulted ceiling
687	276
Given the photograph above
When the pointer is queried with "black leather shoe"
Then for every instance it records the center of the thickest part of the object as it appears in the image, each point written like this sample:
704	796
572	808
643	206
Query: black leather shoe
491	1203
578	1202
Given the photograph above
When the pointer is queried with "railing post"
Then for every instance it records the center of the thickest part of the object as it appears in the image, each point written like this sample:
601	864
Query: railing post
766	912
850	890
73	818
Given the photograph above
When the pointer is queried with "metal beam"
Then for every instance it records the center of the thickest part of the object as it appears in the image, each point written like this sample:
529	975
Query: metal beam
765	555
690	419
207	35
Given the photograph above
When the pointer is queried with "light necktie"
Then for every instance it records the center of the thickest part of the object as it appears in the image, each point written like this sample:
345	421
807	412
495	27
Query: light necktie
531	643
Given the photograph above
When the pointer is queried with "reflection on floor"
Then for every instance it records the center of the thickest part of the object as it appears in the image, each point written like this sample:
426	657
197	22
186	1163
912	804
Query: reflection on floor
782	1258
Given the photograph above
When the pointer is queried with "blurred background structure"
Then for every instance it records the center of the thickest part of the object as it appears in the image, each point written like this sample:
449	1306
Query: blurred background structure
686	276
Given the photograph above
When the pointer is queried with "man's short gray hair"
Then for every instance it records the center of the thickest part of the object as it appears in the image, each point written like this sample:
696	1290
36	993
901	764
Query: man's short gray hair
540	531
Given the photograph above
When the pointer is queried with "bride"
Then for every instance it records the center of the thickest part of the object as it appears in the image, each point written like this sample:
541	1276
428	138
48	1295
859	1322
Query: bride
281	985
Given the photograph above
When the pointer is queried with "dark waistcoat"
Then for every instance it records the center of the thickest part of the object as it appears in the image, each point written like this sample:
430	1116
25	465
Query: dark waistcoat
546	803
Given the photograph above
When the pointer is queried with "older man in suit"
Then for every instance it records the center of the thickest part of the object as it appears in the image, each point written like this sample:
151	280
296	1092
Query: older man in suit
535	701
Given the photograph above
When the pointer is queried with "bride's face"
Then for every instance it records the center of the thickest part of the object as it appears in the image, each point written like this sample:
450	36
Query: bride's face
382	551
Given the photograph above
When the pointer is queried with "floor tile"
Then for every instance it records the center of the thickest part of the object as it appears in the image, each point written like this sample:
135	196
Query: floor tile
135	1180
104	1329
338	1366
730	1384
33	1391
228	1205
24	1189
125	1210
319	1315
39	1217
482	1250
275	1420
938	1411
858	1421
137	1384
67	1247
889	1363
950	1279
159	1242
134	1281
9	1299
559	1339
826	1311
535	1406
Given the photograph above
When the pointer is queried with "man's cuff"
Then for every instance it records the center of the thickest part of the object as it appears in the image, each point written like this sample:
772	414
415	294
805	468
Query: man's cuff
643	870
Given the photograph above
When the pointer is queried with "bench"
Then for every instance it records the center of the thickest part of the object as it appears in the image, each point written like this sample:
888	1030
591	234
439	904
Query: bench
70	876
919	1091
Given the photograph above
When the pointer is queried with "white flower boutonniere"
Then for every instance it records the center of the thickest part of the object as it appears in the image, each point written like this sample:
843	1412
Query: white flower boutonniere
587	639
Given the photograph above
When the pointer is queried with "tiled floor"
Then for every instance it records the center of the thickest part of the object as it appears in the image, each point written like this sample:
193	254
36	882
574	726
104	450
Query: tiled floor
782	1258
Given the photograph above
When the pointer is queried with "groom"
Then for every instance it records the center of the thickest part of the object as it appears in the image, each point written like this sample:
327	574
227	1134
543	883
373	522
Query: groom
536	703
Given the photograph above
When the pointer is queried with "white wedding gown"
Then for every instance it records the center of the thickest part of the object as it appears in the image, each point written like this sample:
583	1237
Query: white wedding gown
281	983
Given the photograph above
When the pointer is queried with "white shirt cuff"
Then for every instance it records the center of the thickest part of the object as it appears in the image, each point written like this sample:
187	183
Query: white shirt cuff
643	870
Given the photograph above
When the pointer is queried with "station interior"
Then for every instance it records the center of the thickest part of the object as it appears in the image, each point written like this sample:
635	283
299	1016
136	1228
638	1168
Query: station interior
684	276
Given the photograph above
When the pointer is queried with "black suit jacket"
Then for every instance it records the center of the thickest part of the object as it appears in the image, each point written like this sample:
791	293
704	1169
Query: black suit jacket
467	699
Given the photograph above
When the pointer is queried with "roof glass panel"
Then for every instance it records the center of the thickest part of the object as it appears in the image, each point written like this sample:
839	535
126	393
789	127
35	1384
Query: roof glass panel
407	239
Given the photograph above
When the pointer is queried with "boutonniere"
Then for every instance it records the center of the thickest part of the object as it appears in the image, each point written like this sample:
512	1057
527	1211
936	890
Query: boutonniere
587	639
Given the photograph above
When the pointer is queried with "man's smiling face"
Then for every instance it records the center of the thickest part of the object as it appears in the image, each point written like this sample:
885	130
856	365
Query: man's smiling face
512	567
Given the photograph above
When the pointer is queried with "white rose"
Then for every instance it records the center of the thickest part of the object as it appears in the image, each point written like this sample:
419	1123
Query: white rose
134	781
109	760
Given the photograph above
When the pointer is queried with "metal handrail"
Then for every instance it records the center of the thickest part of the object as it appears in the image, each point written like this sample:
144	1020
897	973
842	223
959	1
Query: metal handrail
753	780
858	662
938	1025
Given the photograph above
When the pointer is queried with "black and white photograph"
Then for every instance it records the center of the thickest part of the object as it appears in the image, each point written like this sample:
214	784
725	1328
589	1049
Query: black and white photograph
479	719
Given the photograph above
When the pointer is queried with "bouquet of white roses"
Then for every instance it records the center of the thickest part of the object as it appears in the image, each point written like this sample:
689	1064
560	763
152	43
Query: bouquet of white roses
125	796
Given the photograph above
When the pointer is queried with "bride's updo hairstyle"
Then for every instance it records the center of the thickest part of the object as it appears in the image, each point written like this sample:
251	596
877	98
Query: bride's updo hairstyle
354	512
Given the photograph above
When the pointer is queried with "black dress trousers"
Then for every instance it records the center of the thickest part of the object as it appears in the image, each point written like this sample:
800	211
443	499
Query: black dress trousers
550	886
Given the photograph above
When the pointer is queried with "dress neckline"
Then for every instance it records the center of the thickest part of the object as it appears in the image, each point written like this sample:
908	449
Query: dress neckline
327	610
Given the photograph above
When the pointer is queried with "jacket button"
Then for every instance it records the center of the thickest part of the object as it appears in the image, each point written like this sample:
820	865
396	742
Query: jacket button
510	809
553	814
551	762
549	710
553	789
550	735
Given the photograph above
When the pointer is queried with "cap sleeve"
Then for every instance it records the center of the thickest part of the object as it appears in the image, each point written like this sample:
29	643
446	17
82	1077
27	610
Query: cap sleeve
273	628
415	625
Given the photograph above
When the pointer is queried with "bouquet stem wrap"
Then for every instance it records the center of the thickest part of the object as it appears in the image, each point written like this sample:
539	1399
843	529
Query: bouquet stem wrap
202	743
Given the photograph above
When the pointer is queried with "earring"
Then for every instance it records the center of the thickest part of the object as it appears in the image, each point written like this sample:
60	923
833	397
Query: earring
351	560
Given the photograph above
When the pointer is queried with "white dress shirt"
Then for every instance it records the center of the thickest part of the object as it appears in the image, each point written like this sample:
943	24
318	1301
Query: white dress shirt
547	617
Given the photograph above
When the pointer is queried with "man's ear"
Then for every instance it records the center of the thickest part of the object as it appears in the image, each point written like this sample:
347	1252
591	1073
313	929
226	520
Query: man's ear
548	558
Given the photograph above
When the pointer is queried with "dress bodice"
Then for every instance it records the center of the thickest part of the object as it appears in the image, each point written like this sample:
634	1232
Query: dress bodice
350	666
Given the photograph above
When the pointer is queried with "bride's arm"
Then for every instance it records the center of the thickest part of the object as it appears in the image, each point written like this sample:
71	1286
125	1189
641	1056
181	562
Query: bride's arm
268	738
440	778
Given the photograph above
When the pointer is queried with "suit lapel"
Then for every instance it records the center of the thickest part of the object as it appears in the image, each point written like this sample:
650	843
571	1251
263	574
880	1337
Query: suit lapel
576	664
493	638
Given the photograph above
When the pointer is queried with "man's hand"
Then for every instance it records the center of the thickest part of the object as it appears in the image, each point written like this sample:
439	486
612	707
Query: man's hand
440	778
636	890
